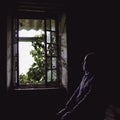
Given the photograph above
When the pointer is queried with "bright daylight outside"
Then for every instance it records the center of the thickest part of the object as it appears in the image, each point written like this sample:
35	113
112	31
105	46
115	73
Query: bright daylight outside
32	65
29	33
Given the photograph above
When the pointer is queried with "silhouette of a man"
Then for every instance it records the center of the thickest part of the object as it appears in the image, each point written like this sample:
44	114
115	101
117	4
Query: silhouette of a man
83	104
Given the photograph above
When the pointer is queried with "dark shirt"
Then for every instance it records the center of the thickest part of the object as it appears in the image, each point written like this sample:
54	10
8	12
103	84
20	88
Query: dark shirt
82	91
86	103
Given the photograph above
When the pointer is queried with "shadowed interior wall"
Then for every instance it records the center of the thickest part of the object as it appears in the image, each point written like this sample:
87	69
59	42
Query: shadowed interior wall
88	28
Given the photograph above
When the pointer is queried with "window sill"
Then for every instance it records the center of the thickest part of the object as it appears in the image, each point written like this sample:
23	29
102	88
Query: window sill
37	89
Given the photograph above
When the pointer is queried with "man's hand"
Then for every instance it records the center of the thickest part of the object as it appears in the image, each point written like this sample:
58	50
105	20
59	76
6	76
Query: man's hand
66	116
61	113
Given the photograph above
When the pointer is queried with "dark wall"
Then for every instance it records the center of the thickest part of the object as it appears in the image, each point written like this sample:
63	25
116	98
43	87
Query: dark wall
89	28
94	27
3	55
32	104
82	38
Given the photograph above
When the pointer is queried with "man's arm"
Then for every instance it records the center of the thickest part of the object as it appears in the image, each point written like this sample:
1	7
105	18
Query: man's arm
68	104
72	99
83	97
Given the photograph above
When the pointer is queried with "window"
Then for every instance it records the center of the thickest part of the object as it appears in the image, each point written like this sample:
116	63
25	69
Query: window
36	52
39	47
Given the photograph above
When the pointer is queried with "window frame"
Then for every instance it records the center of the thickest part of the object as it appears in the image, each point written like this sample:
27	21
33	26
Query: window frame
58	85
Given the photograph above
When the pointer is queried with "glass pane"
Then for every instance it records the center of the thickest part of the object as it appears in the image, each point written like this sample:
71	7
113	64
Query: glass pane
25	59
53	63
39	46
31	64
54	75
48	24
53	37
48	37
48	50
48	75
49	63
53	49
53	25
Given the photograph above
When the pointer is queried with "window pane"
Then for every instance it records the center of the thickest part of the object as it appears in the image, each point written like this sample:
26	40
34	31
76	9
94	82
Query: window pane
39	47
54	50
53	63
53	25
49	63
51	50
48	75
54	75
31	51
31	64
48	37
25	59
53	37
48	50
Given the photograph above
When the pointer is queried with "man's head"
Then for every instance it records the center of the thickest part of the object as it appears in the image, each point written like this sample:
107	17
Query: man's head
89	63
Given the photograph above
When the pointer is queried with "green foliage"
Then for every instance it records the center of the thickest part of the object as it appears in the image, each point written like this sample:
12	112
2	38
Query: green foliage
23	78
36	73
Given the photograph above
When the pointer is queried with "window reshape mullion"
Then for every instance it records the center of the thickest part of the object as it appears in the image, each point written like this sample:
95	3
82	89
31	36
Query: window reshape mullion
45	53
17	37
58	53
51	48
